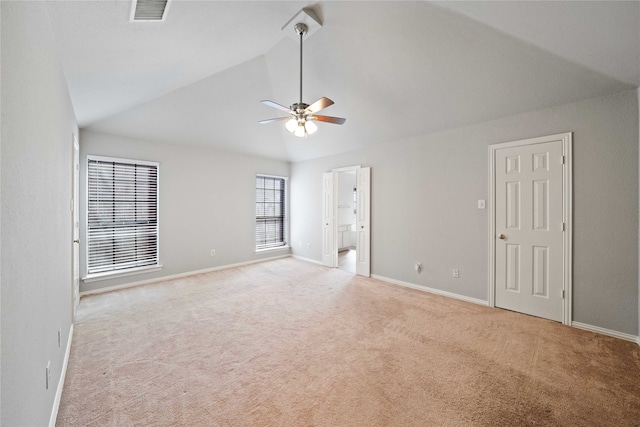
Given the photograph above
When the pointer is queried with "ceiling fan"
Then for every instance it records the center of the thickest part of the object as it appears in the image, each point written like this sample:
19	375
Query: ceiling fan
300	121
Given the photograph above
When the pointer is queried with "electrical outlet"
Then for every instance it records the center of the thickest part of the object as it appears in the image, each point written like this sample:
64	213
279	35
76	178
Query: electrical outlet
48	375
213	252
456	273
418	267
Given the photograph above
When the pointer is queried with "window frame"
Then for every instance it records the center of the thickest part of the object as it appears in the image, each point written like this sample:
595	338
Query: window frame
285	222
90	277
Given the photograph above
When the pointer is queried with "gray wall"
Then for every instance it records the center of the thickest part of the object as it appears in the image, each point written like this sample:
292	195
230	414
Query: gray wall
207	201
37	127
435	180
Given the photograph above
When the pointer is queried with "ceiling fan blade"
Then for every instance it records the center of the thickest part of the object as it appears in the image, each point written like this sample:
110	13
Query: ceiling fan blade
320	104
278	106
277	119
328	119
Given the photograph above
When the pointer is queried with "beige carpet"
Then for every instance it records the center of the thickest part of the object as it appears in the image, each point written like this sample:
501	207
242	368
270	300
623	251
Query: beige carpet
288	343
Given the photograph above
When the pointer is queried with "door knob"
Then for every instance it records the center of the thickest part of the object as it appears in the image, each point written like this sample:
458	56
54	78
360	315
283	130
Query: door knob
501	236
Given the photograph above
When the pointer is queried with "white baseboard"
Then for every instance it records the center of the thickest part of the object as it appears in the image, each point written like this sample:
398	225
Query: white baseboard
609	332
63	374
301	258
176	276
586	327
430	290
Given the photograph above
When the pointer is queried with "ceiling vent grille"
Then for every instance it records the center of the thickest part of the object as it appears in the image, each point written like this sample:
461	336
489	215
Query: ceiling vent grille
149	10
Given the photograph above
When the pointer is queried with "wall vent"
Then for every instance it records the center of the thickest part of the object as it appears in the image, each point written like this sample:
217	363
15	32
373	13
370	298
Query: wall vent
149	10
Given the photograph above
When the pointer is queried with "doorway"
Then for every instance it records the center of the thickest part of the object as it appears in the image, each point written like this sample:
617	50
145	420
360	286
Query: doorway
347	215
530	227
346	225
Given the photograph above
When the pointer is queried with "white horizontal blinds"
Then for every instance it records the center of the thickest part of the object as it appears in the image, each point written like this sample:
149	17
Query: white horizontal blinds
270	212
122	217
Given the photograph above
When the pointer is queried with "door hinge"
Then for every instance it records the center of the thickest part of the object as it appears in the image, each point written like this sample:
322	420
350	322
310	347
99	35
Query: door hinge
564	160
563	226
563	294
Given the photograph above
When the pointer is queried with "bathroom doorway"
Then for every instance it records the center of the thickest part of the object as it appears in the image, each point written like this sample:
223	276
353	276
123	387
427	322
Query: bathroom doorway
346	237
347	210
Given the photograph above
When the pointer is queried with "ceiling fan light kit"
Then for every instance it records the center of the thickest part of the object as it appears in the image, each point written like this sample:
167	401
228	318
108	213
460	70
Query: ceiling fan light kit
300	121
299	128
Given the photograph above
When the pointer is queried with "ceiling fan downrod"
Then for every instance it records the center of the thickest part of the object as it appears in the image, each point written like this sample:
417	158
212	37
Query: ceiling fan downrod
301	29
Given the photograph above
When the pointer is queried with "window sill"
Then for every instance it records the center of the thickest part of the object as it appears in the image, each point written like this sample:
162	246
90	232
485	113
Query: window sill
279	248
114	274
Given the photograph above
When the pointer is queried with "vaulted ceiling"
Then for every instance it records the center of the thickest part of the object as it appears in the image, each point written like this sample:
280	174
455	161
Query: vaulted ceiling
395	69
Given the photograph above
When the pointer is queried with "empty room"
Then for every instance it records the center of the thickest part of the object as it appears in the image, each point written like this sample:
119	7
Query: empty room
330	213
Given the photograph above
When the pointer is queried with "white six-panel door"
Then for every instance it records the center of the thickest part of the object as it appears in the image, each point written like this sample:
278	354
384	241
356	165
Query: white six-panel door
328	250
363	222
529	252
75	226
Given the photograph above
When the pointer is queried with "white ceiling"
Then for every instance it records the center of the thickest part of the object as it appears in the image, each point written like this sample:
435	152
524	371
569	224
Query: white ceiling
395	69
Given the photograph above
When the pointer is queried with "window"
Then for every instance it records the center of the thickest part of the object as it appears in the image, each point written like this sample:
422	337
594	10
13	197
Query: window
270	212
122	215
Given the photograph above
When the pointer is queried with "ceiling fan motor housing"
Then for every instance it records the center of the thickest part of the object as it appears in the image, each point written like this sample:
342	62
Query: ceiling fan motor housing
299	107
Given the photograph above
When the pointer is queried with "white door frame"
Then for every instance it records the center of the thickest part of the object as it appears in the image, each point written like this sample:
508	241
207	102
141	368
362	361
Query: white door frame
567	186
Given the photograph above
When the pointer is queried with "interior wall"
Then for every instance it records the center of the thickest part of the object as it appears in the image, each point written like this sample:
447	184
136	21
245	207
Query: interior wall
207	201
36	163
438	179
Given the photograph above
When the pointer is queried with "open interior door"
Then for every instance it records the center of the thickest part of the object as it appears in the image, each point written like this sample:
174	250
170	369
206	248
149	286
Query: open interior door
328	255
363	222
76	226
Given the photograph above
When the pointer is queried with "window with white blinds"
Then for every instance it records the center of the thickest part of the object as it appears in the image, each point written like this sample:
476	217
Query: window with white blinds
122	215
271	221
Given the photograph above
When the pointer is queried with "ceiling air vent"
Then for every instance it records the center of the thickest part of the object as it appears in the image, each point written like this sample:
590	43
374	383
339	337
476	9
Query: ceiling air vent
149	10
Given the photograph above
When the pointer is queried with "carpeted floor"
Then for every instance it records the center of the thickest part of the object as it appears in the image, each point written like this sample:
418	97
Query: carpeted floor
289	343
